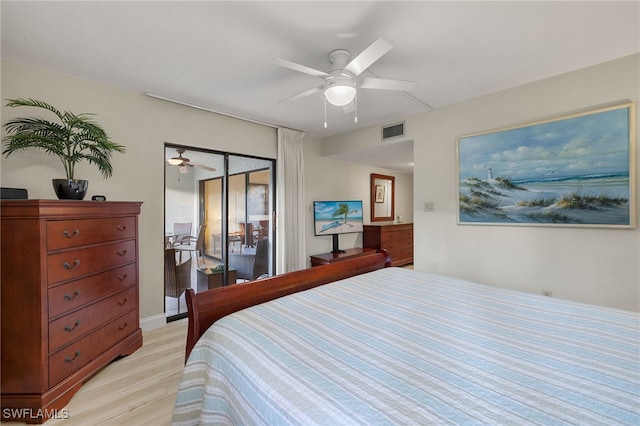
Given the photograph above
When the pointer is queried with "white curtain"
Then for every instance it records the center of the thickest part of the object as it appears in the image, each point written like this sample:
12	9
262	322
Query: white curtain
290	221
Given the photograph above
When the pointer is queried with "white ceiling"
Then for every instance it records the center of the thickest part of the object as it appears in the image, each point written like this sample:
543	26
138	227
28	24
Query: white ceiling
217	54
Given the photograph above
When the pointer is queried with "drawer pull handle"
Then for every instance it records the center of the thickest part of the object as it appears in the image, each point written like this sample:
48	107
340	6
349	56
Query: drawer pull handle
122	277
69	328
76	263
122	253
68	235
123	326
70	297
69	359
123	302
122	228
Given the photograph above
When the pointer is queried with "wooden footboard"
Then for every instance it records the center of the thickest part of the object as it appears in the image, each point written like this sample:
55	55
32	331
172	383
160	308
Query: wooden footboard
207	307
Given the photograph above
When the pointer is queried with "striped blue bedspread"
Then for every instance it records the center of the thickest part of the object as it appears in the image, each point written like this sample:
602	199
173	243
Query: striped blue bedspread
400	347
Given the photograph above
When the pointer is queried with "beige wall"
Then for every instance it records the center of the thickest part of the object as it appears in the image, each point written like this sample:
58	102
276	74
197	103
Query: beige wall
594	265
143	125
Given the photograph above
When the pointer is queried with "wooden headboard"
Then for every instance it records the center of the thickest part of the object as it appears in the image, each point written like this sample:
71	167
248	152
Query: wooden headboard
207	307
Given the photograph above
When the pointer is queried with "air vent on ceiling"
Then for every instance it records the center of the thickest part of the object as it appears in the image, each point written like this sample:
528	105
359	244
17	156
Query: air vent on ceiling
392	131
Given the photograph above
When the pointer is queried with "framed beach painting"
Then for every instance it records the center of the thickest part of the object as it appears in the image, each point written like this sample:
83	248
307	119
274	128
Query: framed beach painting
576	170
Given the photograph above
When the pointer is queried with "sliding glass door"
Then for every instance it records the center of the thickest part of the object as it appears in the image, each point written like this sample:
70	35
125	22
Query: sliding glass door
228	200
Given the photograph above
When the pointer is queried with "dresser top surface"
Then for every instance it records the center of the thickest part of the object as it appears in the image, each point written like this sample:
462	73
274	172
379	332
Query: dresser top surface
391	225
66	208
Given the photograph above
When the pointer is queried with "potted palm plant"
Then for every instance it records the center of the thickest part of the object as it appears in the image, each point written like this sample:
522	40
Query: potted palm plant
73	139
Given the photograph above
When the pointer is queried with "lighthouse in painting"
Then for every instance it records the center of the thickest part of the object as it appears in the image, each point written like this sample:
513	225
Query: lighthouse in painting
490	174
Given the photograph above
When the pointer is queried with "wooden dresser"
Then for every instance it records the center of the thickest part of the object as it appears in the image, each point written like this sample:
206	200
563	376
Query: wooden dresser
69	298
397	239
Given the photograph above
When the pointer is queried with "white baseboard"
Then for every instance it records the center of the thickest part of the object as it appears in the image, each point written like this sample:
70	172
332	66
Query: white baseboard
151	323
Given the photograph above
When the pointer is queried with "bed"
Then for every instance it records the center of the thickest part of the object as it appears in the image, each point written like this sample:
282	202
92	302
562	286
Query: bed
383	345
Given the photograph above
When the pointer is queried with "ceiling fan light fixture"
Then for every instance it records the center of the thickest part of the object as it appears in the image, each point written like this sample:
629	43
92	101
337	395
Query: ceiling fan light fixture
175	161
340	91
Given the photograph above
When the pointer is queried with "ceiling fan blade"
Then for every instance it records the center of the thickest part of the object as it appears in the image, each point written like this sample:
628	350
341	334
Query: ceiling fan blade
299	68
303	94
386	84
368	56
201	166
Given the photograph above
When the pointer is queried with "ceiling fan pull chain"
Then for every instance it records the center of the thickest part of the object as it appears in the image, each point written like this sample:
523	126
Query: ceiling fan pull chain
325	113
355	105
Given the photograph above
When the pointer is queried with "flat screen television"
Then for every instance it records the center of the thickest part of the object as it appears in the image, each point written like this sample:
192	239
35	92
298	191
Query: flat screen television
337	217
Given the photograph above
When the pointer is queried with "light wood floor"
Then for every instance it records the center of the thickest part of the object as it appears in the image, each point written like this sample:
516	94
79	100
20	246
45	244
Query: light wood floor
136	390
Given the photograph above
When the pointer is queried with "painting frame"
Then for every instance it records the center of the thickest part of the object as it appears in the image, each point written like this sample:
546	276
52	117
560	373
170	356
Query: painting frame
379	193
575	170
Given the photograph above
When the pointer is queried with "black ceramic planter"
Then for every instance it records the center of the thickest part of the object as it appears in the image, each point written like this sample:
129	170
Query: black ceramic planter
70	189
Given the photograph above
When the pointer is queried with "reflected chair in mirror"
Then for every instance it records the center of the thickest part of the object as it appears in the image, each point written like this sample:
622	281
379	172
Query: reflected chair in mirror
249	233
193	245
177	277
261	264
181	233
263	231
216	246
235	244
250	266
243	264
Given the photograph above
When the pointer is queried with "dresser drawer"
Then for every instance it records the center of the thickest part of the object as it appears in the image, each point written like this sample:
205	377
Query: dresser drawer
406	253
75	233
78	323
82	262
407	243
391	247
67	297
406	234
393	250
389	237
397	243
401	257
74	356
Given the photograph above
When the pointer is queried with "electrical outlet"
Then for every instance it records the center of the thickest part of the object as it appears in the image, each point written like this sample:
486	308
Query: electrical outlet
548	293
429	206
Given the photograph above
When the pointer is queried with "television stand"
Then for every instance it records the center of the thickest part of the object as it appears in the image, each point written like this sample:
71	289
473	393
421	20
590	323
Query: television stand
336	245
328	258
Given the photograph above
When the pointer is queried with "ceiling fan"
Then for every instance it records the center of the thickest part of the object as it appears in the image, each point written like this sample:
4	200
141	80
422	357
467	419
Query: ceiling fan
183	162
341	84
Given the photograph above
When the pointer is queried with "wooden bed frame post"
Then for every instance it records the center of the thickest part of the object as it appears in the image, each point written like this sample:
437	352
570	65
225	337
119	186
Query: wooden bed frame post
207	307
